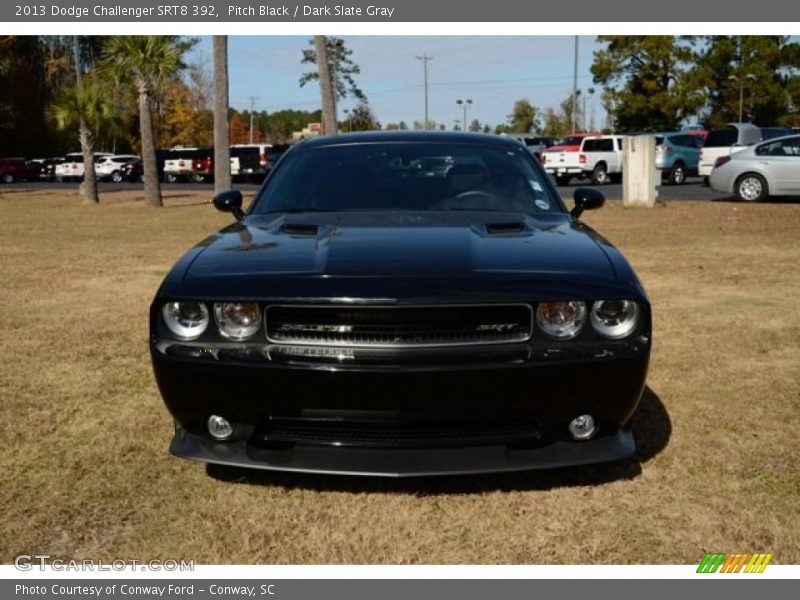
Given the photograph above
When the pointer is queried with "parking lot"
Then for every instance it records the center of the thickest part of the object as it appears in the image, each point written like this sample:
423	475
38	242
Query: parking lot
693	189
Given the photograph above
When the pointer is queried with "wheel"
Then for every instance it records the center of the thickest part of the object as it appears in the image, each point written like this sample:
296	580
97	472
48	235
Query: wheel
677	175
8	178
705	181
171	178
600	174
751	188
563	179
116	177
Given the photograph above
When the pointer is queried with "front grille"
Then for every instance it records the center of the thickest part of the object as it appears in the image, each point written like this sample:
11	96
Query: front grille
392	327
281	431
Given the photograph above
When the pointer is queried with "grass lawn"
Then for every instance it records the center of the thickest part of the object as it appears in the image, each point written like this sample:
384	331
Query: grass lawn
86	472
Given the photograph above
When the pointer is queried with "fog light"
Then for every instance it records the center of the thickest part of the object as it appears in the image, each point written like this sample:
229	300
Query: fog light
219	428
582	428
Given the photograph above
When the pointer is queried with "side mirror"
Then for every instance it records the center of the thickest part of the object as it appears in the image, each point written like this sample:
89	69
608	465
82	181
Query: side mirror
586	199
230	201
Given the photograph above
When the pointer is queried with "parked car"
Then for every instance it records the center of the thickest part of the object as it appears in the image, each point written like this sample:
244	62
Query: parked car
203	165
133	171
535	144
72	169
110	167
246	163
402	320
48	167
599	158
767	169
723	142
178	164
264	151
16	169
678	155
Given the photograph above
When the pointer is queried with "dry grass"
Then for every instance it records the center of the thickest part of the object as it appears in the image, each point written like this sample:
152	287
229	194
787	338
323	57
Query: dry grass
88	474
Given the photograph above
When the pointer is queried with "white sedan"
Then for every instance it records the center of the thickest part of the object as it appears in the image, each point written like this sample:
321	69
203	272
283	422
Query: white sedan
767	169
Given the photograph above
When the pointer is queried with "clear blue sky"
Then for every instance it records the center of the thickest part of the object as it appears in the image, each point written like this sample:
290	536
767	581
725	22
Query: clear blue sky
492	71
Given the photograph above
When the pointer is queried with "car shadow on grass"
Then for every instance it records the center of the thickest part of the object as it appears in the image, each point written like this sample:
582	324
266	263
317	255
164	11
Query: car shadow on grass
651	427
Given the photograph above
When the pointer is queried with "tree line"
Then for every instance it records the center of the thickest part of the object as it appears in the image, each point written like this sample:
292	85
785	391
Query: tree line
136	93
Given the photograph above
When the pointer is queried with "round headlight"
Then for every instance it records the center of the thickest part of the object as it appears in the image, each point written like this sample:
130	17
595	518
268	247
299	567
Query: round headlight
237	320
562	320
186	320
615	319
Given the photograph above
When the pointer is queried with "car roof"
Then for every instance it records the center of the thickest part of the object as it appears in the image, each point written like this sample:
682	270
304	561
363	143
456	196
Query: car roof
370	137
792	136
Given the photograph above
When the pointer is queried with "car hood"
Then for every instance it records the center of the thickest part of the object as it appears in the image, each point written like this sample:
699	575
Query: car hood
398	245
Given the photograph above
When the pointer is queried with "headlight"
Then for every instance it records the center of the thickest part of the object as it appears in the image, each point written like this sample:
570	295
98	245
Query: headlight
561	319
237	320
614	319
187	320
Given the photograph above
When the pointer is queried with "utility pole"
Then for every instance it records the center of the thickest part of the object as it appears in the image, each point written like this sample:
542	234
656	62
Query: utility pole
425	60
575	89
253	100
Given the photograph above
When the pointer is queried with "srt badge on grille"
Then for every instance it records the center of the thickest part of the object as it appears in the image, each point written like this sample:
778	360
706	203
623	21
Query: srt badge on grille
315	328
497	327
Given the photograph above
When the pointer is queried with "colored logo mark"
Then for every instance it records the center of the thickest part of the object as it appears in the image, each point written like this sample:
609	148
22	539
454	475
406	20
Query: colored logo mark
734	563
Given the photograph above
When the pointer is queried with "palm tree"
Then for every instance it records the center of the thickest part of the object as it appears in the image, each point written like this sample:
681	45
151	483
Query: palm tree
146	62
222	150
86	107
325	86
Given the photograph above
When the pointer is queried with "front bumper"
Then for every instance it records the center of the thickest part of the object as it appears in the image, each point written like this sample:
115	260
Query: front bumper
405	462
542	387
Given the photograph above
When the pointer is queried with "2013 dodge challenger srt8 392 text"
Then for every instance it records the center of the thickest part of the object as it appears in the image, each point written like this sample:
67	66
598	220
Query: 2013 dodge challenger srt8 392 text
403	303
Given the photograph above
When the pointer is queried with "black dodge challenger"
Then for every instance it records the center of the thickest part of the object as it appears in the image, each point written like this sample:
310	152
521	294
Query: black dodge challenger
402	304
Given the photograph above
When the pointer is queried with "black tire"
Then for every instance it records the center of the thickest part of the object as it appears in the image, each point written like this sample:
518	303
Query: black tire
600	174
170	178
677	175
752	187
705	181
8	178
117	177
563	179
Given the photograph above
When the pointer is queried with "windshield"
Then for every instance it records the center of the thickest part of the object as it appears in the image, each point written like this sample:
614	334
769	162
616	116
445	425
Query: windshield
407	176
722	137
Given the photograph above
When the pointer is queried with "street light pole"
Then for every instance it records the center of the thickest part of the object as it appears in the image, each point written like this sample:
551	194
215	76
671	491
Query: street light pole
575	89
749	76
464	103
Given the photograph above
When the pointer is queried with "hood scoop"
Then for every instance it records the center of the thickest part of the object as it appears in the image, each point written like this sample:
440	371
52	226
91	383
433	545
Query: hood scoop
510	228
307	229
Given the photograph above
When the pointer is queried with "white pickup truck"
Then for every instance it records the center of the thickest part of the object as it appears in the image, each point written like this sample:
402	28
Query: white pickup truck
599	158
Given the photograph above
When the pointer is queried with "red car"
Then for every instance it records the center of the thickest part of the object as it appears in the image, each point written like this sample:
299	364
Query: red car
15	169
